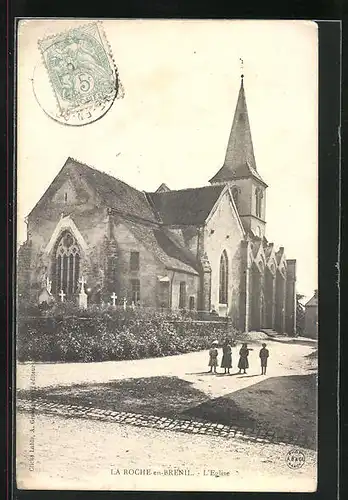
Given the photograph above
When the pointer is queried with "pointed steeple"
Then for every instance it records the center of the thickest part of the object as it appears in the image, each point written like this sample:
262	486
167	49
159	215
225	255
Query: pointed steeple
239	160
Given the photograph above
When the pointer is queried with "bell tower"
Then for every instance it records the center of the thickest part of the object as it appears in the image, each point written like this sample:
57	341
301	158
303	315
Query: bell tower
240	173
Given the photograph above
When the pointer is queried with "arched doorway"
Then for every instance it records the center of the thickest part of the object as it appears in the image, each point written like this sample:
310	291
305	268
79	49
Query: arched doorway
66	260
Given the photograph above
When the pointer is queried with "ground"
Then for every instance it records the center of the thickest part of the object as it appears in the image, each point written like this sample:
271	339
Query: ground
88	452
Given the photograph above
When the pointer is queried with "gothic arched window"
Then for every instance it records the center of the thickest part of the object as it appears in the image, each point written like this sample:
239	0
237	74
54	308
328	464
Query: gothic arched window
223	288
66	265
235	194
258	202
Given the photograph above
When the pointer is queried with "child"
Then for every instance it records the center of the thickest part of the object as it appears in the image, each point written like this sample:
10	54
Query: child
264	355
226	361
243	363
213	354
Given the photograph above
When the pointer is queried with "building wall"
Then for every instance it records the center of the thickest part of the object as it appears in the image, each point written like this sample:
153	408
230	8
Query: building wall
246	205
149	267
311	322
92	224
150	270
223	232
192	288
42	221
244	196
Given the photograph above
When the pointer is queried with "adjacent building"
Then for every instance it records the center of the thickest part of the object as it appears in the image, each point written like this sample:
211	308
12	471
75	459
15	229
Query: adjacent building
311	317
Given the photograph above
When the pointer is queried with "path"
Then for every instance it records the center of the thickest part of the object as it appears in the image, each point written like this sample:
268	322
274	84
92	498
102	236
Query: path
80	454
285	359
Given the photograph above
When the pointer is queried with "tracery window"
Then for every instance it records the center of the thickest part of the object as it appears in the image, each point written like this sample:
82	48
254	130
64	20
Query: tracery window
67	265
223	289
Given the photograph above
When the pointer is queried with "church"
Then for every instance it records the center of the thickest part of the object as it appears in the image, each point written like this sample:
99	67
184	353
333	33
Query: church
197	249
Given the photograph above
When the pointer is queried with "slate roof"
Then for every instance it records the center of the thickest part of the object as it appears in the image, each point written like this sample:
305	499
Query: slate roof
115	193
185	206
163	188
256	245
164	245
112	192
241	171
146	214
240	159
313	302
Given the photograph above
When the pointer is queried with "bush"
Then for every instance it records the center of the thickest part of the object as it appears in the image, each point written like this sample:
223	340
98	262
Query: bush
112	334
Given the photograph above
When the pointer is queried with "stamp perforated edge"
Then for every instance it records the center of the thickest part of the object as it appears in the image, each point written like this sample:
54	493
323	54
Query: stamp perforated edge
108	50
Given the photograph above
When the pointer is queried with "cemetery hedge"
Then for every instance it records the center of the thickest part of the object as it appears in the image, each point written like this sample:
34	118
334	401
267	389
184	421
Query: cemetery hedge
67	334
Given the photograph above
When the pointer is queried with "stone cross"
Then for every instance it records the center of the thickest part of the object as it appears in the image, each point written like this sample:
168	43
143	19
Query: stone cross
48	285
82	295
62	295
82	282
124	303
114	298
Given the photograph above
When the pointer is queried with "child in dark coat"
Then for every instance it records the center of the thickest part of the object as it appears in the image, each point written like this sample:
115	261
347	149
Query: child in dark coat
213	355
264	355
226	361
243	363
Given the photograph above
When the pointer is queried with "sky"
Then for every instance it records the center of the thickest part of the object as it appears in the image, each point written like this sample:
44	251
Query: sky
181	81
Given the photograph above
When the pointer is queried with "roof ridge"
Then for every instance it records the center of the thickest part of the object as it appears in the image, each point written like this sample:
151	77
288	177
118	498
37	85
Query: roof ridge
105	173
185	189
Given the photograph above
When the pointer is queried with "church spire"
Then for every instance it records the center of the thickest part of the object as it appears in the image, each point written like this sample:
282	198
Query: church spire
239	159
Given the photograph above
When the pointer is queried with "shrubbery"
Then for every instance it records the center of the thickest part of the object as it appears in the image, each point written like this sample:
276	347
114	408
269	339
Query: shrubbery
65	333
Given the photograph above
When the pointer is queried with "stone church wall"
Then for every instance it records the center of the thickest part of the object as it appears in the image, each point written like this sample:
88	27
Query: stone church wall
223	232
149	267
92	225
150	270
192	288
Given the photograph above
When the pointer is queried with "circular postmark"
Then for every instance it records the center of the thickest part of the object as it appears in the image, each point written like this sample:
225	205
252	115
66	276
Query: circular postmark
76	80
295	459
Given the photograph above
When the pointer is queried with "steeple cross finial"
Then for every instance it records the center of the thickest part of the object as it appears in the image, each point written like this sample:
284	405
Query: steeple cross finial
241	68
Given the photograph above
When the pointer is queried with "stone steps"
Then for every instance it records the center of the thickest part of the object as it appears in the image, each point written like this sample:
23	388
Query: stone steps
270	332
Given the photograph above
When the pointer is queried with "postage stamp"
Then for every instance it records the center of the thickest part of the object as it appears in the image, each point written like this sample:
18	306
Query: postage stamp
82	73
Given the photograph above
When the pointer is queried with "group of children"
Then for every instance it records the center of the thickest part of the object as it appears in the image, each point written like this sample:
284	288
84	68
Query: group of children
243	363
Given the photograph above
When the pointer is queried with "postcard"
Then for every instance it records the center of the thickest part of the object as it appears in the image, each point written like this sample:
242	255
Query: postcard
167	297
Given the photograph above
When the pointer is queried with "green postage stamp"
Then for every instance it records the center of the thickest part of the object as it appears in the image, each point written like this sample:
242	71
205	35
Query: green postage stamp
82	73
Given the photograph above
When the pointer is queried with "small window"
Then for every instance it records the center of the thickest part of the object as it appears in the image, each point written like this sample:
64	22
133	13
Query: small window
164	294
134	261
135	291
65	197
258	202
182	295
192	303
